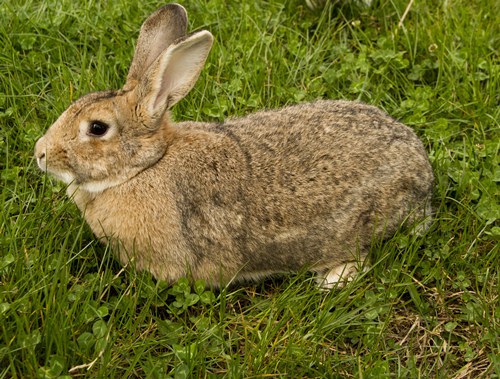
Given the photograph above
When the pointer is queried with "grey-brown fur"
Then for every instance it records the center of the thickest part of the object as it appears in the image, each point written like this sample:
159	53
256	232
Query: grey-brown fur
309	185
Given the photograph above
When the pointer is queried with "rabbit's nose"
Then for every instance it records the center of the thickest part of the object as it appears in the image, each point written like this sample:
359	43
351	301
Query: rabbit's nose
40	148
42	162
40	154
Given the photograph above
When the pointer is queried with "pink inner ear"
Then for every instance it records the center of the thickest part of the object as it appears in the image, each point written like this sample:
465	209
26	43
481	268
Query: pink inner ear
170	78
180	69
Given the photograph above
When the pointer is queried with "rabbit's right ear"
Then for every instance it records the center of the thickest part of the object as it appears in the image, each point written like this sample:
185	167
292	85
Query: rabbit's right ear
158	32
172	75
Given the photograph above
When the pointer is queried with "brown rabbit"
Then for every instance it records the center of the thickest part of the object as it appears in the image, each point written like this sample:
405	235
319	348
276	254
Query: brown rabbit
310	185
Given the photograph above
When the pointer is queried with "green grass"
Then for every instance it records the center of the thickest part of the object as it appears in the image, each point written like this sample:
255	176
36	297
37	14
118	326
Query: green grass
429	306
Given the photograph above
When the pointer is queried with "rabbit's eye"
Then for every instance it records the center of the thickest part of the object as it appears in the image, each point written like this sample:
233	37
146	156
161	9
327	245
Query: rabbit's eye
98	128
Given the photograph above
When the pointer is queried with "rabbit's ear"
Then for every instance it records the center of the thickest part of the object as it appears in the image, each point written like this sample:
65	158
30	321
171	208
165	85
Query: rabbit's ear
158	32
174	73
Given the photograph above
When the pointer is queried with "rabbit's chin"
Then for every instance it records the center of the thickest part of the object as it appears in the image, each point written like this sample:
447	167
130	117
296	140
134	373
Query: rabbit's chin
96	186
91	186
63	176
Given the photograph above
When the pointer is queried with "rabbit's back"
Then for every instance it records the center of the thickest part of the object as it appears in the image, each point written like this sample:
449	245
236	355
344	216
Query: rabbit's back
305	185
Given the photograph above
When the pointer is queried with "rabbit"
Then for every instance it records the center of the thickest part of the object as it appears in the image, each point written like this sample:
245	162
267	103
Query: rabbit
305	186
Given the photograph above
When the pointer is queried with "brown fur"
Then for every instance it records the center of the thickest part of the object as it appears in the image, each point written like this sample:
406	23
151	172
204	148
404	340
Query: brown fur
309	185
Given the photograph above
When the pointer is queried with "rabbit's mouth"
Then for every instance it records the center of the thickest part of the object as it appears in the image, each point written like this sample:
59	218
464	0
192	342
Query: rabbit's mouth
63	175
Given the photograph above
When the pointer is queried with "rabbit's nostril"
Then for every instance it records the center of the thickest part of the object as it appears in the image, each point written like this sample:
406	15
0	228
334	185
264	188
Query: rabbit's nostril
42	161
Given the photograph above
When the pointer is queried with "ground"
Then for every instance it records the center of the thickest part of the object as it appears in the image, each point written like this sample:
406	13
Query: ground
428	306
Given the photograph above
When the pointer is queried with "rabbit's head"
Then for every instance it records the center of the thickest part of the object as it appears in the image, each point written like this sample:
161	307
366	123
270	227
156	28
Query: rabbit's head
106	138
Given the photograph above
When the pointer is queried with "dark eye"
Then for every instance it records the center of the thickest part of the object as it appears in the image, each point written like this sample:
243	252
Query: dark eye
97	128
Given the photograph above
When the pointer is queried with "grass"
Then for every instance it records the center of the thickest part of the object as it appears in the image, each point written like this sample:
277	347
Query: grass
428	307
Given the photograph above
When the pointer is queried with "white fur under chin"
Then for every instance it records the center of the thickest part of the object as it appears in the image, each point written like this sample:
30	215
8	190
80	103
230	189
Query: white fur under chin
100	186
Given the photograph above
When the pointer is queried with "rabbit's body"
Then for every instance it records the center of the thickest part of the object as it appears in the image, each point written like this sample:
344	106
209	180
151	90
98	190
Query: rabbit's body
305	186
309	185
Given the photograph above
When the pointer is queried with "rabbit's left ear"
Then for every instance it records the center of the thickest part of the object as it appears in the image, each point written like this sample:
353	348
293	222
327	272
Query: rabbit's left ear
173	74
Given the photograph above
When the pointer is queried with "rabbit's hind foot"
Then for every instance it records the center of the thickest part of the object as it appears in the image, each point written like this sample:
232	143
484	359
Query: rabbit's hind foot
338	276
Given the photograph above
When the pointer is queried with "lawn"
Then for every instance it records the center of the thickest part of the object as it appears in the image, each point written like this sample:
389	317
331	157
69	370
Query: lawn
429	305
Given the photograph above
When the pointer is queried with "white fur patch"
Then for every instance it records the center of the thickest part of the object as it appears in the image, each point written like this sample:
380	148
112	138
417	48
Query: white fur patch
64	176
338	276
100	186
